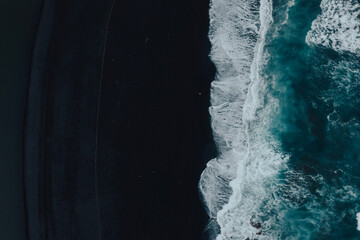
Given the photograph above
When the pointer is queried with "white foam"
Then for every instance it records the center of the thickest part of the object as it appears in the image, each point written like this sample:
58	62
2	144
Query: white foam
337	27
358	221
234	27
236	185
290	4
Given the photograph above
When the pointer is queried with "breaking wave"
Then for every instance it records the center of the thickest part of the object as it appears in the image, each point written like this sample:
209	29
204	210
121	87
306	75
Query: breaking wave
338	26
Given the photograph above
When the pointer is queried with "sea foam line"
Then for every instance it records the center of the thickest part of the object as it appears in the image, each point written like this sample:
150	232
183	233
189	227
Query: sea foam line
232	52
234	185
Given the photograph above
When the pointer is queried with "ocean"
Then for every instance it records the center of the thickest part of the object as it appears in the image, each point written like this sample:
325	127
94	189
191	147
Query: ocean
285	118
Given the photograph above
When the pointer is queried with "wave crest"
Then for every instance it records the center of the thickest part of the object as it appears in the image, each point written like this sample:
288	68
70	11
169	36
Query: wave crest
337	27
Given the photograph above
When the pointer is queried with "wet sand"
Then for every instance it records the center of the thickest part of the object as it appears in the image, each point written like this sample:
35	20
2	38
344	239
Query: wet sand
117	123
18	22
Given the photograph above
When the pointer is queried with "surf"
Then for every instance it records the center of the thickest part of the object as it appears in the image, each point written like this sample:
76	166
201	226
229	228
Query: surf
285	120
236	186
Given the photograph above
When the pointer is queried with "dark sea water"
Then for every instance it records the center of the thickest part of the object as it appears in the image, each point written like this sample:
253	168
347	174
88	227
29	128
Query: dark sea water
317	124
297	170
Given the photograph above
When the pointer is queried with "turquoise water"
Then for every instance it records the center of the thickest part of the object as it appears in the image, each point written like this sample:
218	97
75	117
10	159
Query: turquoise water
318	126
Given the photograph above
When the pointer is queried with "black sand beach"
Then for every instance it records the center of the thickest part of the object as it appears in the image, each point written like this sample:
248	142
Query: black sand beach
18	22
117	130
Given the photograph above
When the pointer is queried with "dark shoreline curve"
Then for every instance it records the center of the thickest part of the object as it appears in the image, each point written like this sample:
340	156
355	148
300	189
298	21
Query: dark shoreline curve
39	51
97	116
18	22
61	117
154	134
